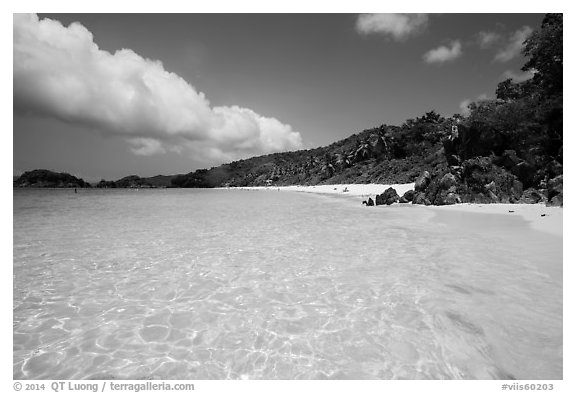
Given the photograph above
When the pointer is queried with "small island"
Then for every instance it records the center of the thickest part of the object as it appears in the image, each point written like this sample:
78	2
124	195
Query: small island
43	178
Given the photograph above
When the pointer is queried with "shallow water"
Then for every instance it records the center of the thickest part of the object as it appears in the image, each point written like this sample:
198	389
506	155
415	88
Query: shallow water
215	284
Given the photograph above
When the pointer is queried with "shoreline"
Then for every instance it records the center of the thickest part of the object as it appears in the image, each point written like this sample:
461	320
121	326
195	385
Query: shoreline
538	216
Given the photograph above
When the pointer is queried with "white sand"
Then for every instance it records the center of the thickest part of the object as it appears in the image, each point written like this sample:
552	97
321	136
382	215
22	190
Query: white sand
353	190
539	216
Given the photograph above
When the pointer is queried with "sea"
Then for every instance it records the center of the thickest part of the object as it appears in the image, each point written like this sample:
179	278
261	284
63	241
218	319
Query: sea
267	284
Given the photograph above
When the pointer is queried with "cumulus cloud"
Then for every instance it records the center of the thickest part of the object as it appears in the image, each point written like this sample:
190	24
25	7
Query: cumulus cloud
60	72
146	146
513	47
487	39
398	26
443	54
517	77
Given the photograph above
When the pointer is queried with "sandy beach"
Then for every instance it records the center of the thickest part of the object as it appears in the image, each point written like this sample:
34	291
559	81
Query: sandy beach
539	216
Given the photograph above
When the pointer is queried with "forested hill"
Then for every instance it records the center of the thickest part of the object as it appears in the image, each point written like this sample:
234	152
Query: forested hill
507	149
380	155
42	178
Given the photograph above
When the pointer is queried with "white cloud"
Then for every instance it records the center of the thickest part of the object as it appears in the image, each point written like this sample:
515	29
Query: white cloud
487	39
398	26
60	72
514	45
517	76
464	106
465	103
146	146
443	54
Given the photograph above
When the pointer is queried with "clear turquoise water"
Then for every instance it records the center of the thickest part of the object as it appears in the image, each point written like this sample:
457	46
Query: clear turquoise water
215	284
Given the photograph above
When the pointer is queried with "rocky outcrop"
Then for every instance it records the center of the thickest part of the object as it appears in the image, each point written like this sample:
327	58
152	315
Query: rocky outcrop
388	197
479	180
442	190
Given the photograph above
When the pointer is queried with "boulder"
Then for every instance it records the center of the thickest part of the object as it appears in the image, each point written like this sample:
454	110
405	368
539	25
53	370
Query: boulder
556	201
447	181
525	173
484	182
555	169
451	198
555	191
388	197
555	186
493	197
422	182
420	199
531	196
509	159
407	197
370	202
516	189
490	186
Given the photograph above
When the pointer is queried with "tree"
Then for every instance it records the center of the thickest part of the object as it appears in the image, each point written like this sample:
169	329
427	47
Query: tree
544	49
508	90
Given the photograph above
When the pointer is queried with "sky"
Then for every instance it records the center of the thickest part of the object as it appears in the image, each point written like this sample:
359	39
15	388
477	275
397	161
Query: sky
111	95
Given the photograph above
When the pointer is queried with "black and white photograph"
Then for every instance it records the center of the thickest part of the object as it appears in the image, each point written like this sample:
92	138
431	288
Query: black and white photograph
287	196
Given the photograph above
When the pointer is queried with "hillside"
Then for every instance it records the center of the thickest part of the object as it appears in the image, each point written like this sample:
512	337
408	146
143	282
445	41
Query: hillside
134	181
383	154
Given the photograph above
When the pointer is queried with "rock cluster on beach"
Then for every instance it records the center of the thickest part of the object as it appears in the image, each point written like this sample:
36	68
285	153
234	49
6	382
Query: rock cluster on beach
481	180
476	181
388	197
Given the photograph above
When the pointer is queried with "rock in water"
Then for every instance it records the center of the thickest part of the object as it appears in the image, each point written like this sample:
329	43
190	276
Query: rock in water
371	202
